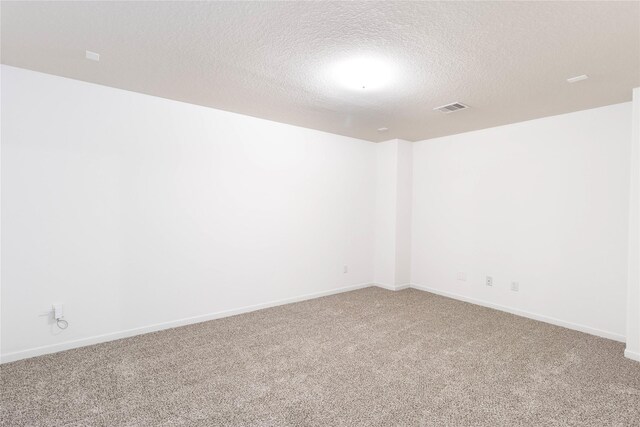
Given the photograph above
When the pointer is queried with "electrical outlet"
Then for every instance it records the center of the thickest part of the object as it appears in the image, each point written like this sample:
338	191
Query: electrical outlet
462	276
58	312
345	269
515	286
489	281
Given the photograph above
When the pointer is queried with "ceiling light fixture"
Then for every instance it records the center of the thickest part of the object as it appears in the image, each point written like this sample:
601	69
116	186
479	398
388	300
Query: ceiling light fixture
577	78
92	55
362	73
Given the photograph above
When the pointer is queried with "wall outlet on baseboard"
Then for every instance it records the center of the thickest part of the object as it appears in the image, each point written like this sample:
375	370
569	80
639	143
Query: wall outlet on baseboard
515	286
345	269
489	281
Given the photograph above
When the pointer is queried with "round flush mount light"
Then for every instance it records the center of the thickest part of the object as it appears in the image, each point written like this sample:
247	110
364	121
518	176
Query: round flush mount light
362	73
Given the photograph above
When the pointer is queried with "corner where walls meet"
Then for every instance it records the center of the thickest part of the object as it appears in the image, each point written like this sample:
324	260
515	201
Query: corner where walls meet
392	248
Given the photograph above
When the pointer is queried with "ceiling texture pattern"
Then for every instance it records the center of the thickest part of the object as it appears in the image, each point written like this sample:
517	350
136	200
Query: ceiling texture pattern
508	61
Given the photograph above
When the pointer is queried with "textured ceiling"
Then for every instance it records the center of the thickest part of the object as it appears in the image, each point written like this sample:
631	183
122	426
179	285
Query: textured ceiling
508	60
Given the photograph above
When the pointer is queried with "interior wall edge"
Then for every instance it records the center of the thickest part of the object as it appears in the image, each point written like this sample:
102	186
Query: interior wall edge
633	263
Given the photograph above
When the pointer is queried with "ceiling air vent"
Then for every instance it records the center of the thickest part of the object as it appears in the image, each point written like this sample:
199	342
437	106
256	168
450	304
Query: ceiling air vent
450	108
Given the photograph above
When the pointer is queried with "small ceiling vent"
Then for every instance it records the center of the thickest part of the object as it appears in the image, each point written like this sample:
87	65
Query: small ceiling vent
450	108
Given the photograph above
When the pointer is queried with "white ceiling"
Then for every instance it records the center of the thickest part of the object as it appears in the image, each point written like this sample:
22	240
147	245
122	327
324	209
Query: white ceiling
508	60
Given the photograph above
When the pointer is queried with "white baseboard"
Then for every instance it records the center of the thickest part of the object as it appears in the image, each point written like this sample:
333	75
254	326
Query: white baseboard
68	345
534	316
632	355
392	287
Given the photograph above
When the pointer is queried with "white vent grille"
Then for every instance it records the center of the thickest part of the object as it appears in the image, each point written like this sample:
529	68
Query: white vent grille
450	108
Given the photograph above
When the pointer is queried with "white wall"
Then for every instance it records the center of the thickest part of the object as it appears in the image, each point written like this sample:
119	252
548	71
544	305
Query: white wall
385	212
543	203
392	248
140	213
633	291
134	211
404	174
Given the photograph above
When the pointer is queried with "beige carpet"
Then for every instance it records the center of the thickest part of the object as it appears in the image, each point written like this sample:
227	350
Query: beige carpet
370	357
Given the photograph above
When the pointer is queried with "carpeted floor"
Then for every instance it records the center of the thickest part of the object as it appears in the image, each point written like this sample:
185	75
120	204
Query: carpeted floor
370	357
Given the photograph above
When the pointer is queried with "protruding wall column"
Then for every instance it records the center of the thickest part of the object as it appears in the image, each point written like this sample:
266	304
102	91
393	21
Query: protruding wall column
633	294
392	254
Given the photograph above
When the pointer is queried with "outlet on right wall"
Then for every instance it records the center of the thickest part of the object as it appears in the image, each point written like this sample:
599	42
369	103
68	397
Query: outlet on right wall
544	203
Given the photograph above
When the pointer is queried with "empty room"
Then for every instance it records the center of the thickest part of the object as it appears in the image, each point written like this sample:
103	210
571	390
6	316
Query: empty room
316	213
